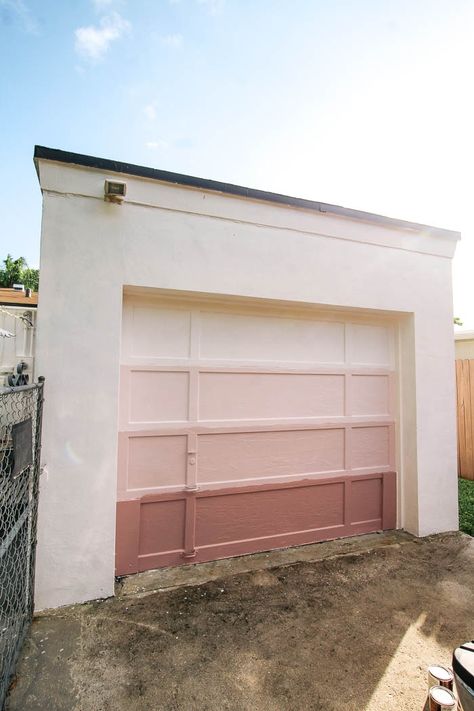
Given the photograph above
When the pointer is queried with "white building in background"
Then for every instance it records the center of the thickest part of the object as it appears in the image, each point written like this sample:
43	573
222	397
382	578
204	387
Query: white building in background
17	332
464	343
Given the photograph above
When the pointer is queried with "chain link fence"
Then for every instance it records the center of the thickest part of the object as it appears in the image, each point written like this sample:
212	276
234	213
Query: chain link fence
20	440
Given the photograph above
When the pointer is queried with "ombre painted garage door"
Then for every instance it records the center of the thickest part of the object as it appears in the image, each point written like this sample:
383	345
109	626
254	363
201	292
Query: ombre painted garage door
244	430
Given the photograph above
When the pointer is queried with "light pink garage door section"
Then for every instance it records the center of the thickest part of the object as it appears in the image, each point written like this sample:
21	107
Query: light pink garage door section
242	431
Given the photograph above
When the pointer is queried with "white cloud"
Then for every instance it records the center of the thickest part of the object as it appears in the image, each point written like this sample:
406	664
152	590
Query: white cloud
18	10
175	41
150	111
160	144
214	7
93	42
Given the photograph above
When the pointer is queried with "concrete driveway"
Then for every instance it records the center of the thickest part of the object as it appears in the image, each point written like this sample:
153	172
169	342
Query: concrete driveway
338	626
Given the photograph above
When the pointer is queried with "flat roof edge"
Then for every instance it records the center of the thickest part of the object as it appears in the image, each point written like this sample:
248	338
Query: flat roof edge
59	156
464	336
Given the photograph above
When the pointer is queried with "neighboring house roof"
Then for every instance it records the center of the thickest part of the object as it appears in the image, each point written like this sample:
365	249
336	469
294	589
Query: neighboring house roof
16	297
54	154
464	336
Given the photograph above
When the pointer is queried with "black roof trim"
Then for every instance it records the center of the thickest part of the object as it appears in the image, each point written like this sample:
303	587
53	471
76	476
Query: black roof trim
54	154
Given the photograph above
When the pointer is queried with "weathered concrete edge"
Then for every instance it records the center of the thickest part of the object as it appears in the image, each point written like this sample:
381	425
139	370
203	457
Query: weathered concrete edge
166	579
153	581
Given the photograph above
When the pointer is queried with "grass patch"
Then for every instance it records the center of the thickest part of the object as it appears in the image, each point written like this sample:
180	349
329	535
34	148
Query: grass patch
466	506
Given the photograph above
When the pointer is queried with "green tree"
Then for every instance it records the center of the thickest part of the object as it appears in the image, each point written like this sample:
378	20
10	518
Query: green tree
17	271
30	278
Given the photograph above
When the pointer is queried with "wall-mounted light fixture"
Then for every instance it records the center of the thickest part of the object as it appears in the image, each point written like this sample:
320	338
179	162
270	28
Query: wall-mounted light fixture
115	191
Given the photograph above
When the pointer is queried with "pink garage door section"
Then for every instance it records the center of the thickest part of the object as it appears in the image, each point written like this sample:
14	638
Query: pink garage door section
244	430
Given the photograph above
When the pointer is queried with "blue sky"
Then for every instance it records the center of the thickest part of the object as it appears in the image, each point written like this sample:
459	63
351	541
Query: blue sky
365	103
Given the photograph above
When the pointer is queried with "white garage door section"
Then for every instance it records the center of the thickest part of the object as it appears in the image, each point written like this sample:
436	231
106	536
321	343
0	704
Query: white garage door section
245	430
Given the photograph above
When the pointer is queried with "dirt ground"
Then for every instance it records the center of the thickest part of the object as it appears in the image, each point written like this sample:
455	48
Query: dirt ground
348	633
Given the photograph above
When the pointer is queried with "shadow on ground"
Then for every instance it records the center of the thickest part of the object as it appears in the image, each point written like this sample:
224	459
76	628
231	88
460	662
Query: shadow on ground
353	632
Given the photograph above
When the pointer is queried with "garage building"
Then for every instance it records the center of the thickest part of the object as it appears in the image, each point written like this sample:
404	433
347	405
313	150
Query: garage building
230	371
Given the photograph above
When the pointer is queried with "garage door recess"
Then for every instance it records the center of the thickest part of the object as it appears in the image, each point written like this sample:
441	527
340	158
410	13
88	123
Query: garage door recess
244	430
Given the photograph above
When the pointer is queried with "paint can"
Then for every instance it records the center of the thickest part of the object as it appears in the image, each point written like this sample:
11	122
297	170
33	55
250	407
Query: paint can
440	676
441	699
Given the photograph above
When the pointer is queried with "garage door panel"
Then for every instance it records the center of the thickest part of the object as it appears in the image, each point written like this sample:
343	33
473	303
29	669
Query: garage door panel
370	345
156	396
246	455
235	521
367	503
228	396
370	447
162	526
259	514
370	395
151	332
230	336
156	461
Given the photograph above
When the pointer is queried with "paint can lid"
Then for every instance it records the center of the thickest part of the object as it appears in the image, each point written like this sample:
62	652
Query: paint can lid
463	663
443	698
441	673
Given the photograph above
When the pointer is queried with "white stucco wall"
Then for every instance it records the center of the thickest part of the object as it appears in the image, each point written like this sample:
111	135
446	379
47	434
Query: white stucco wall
176	238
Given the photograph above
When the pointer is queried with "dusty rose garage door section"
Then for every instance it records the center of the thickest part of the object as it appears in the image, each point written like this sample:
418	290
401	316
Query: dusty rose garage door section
243	430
